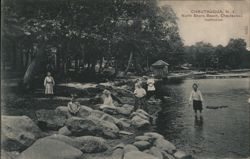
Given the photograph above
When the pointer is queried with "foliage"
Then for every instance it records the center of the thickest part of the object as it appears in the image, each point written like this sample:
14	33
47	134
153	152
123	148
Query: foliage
90	30
205	56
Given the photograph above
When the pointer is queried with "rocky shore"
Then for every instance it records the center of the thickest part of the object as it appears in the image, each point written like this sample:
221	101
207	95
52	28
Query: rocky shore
96	132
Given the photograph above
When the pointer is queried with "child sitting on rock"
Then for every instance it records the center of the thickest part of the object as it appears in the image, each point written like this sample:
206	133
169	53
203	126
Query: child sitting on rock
140	94
107	99
73	106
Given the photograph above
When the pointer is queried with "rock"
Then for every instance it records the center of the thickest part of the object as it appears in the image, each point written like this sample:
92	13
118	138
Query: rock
92	126
109	118
139	115
64	131
142	145
125	109
64	139
138	155
142	138
85	111
91	144
118	154
50	149
181	155
123	123
63	110
119	146
125	133
126	100
156	152
52	119
166	155
87	144
138	122
18	132
6	155
97	113
140	111
110	109
165	145
130	148
153	135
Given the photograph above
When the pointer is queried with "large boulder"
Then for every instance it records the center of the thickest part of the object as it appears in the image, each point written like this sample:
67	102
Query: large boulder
142	145
123	123
18	132
8	155
130	148
118	153
92	126
84	111
111	107
156	152
182	155
64	131
165	145
50	149
97	113
142	138
138	155
126	109
87	144
91	144
153	135
63	110
139	122
110	118
51	119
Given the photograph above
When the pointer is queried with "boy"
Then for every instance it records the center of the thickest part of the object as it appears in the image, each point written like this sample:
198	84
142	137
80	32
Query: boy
196	98
139	97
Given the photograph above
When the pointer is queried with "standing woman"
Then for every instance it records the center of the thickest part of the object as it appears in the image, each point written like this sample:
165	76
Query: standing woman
49	84
196	98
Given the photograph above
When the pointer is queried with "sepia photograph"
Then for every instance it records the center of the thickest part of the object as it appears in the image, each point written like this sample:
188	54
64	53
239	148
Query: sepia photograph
125	79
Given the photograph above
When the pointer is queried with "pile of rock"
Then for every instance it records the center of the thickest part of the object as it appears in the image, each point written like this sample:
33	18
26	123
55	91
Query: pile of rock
87	122
151	145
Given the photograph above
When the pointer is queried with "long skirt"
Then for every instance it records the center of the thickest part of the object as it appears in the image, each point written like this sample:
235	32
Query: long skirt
49	88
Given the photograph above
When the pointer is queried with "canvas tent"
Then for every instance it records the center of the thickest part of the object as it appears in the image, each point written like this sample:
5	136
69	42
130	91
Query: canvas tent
160	68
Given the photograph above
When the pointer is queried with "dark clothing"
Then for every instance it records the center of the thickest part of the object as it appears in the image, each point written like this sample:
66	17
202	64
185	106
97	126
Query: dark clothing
150	94
197	105
139	103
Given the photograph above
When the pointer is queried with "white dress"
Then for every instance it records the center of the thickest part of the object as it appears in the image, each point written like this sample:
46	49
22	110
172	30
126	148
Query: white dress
151	86
48	84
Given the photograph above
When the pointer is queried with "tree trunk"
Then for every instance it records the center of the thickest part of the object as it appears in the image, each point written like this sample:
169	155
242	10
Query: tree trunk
32	68
101	62
129	62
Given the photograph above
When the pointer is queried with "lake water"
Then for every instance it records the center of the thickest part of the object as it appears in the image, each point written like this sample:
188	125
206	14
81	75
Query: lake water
221	133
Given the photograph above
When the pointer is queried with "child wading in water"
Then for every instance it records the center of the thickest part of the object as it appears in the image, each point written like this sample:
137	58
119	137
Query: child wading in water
139	97
196	98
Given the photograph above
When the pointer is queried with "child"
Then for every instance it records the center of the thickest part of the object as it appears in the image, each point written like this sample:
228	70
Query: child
49	84
196	98
139	97
151	87
73	106
107	99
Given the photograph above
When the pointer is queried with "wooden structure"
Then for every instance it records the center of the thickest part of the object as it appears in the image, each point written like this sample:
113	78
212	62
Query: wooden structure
160	68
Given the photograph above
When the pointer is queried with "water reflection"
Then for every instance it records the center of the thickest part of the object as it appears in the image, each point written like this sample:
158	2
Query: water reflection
217	132
198	121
